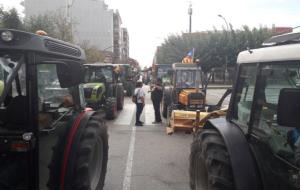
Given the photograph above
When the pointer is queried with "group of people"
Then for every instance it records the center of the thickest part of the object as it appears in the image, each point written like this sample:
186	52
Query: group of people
156	97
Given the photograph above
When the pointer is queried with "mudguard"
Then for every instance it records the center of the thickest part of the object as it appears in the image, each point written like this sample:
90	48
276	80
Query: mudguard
243	165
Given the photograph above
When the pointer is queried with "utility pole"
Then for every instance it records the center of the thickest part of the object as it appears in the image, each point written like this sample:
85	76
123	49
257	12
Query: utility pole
190	12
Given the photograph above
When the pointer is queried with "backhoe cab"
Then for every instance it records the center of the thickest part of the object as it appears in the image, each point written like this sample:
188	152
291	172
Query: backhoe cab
257	145
103	88
48	139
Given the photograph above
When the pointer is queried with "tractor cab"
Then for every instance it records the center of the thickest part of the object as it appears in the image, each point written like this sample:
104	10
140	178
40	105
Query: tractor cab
103	89
43	120
257	145
186	91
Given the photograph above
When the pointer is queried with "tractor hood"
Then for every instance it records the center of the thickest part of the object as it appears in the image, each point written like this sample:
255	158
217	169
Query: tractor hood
93	85
93	91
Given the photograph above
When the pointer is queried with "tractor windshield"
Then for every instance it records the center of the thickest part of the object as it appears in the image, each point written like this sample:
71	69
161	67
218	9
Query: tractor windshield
186	79
99	74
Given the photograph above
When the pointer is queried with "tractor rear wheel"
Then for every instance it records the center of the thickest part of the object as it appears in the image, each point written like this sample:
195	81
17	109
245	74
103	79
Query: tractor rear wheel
210	166
130	89
164	109
86	164
120	97
111	108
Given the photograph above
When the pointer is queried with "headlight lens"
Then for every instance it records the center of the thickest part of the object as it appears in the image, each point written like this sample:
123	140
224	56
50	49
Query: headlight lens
7	36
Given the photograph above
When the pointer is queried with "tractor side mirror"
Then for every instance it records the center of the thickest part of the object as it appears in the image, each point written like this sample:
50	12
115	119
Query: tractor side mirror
70	73
288	110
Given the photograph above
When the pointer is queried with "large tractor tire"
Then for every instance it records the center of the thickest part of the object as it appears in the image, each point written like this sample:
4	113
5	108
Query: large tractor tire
164	109
120	97
79	160
169	112
111	108
166	101
210	167
130	89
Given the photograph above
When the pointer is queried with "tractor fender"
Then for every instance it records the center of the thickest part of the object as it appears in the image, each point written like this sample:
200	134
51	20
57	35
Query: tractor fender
244	168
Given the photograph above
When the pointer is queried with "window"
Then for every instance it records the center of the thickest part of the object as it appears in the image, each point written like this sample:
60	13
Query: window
186	79
49	91
274	78
244	94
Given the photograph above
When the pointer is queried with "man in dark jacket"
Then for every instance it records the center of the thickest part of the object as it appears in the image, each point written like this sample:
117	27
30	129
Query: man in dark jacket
156	97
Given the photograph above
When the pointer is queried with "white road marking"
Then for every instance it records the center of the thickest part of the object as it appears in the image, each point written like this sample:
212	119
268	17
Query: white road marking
125	117
149	114
128	171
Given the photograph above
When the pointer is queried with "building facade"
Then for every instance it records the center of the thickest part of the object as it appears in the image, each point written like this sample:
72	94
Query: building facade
92	21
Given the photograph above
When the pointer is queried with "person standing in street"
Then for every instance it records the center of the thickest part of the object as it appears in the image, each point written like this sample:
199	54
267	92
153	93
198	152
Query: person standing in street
140	102
156	97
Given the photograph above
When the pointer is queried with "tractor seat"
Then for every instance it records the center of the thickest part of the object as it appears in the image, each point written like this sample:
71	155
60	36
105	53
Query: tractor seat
17	113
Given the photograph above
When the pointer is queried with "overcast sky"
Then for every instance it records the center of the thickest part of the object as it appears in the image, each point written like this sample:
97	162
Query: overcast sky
150	21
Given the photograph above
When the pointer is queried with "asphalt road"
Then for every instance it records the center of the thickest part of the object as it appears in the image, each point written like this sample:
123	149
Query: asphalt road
146	158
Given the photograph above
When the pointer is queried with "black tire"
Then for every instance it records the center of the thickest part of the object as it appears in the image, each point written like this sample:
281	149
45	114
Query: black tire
210	166
169	112
164	109
130	89
87	161
111	108
120	97
166	102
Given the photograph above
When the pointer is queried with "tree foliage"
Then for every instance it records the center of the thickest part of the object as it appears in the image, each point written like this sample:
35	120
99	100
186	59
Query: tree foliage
214	48
54	23
10	19
92	53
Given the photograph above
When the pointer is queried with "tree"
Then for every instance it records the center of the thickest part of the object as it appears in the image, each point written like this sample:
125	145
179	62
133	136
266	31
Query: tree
214	48
10	19
92	53
54	23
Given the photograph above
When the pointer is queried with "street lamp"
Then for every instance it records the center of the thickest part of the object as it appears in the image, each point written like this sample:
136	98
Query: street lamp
227	26
226	74
190	12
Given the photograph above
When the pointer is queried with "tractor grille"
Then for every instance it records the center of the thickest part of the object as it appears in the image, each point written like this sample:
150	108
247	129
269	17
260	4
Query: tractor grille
197	101
62	48
88	92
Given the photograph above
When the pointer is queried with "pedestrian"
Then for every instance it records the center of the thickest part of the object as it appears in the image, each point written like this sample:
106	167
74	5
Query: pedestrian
156	97
140	102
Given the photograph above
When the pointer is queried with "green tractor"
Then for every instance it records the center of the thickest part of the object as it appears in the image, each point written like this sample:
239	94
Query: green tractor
127	76
102	88
48	138
257	145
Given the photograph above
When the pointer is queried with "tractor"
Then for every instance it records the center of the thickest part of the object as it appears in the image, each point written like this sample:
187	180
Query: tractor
127	78
48	138
102	88
257	144
184	103
183	94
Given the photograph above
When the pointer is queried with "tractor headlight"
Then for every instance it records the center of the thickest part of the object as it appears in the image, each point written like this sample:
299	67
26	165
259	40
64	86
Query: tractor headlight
7	36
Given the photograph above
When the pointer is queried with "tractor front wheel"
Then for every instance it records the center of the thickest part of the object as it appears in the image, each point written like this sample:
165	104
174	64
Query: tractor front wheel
210	167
